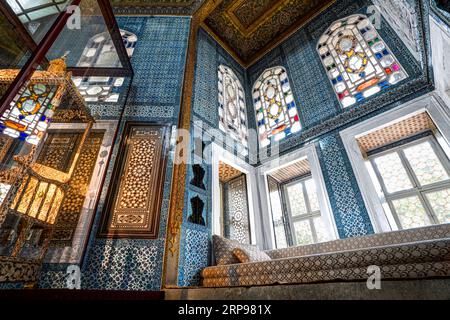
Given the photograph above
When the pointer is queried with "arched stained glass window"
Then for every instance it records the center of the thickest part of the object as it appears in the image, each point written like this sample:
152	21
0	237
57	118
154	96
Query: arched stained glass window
276	112
358	62
232	111
100	52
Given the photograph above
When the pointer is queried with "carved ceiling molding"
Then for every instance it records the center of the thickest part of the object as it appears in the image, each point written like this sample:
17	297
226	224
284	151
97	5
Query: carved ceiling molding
156	7
248	38
247	17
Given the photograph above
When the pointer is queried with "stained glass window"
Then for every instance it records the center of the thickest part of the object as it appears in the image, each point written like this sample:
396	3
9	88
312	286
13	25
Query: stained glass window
358	62
276	112
232	110
415	179
29	115
100	52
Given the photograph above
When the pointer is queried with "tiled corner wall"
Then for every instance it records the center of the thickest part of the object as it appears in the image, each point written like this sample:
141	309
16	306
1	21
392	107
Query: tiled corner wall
321	115
195	249
350	213
158	62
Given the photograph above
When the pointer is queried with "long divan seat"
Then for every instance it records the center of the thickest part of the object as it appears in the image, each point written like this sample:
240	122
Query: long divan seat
407	254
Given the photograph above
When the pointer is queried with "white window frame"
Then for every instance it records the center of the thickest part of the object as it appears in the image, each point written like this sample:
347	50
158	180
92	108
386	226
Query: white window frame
310	153
221	155
309	216
440	115
417	189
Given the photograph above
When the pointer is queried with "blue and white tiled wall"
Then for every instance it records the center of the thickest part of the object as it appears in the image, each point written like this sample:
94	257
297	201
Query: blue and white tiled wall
350	214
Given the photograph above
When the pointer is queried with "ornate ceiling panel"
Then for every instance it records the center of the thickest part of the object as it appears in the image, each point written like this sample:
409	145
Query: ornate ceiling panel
251	27
295	170
395	132
176	7
227	172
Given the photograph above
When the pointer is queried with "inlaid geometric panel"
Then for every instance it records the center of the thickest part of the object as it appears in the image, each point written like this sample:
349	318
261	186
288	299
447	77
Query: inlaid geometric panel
5	143
59	149
135	197
75	196
236	218
395	132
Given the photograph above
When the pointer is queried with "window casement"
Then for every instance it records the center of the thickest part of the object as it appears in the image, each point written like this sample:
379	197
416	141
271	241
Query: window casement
415	183
302	216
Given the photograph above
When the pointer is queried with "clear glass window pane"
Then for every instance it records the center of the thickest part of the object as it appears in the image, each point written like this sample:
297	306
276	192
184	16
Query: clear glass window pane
277	211
426	164
15	6
321	232
35	15
280	235
411	213
312	195
440	202
296	199
28	4
393	173
303	233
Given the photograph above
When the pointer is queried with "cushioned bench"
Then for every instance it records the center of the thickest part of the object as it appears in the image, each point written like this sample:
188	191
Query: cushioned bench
417	253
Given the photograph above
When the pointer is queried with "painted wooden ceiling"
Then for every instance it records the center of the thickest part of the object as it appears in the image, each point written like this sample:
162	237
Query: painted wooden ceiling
295	170
246	28
249	28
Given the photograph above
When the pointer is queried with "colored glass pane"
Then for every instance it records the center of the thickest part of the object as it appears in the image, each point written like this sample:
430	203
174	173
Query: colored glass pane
29	115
